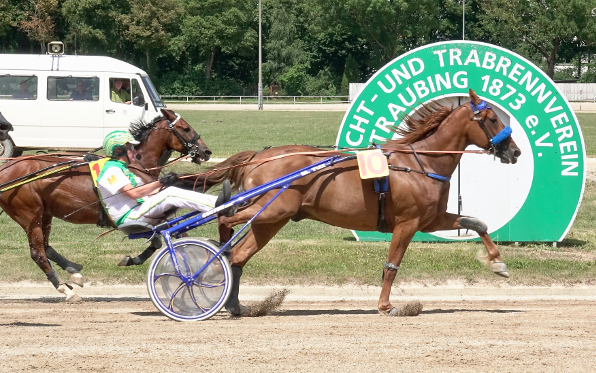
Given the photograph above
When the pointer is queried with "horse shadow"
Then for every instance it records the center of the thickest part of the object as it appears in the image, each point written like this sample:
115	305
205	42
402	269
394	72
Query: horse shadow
30	324
335	312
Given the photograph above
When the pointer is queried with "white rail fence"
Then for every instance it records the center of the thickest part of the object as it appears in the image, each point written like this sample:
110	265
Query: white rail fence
574	92
254	99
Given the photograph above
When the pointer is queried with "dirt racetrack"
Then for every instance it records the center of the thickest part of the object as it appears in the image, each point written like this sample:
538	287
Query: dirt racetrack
526	331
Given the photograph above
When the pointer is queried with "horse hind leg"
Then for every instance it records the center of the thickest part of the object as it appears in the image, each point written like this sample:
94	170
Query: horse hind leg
70	267
142	257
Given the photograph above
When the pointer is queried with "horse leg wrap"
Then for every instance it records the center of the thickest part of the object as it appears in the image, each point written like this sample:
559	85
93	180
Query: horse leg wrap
142	257
389	267
233	304
53	278
64	263
473	224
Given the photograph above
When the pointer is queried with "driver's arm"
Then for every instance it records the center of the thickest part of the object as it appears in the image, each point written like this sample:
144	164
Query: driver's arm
141	191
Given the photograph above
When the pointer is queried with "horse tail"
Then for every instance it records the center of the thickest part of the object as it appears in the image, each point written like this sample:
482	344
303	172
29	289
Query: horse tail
230	169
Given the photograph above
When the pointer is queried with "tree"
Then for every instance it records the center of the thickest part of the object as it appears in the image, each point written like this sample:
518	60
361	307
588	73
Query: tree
148	23
37	21
284	48
218	26
351	75
93	25
7	13
543	24
389	27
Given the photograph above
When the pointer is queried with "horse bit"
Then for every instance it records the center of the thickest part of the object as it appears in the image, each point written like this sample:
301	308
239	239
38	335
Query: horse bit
499	137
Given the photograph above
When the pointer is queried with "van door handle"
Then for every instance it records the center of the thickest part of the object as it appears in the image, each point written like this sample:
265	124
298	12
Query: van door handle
110	111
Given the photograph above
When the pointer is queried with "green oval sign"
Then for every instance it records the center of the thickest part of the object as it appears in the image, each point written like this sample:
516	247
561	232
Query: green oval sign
534	200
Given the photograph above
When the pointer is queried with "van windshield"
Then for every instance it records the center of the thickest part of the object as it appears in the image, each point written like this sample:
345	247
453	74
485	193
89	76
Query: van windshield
152	92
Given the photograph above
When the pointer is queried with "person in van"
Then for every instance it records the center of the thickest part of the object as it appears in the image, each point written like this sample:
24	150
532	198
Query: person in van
118	94
81	93
23	92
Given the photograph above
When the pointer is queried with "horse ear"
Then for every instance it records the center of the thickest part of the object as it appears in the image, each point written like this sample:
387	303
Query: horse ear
165	113
474	97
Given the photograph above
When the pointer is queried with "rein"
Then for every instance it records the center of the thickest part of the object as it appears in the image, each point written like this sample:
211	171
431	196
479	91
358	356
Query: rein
27	178
327	152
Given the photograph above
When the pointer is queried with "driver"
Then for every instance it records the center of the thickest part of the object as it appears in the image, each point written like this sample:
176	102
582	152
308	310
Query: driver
127	199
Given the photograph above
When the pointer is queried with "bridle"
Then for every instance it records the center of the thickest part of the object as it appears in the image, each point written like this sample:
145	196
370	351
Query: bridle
498	139
192	145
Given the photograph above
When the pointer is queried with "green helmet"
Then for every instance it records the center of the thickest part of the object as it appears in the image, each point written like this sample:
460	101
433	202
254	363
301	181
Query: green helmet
117	138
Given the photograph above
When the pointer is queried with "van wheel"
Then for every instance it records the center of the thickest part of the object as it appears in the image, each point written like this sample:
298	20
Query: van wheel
7	150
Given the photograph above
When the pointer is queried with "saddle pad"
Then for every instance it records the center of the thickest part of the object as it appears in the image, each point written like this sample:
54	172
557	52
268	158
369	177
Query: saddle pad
372	163
95	168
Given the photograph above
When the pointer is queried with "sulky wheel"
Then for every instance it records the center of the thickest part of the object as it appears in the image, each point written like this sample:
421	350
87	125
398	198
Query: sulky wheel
180	296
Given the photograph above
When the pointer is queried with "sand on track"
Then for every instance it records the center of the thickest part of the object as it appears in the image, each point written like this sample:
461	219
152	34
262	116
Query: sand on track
531	330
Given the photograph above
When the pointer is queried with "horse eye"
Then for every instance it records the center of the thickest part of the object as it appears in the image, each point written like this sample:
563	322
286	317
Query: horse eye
187	129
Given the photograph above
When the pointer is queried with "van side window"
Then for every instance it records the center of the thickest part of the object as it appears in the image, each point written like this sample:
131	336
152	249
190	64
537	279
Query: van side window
73	88
18	87
120	90
138	99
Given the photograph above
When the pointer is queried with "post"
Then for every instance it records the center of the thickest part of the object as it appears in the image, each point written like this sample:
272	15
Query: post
463	21
260	99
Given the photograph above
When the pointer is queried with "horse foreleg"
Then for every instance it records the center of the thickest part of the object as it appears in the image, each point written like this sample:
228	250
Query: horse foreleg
56	257
36	247
258	236
402	236
452	221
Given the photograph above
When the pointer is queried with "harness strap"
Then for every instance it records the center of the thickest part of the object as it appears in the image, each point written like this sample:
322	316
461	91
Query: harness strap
381	221
432	175
417	158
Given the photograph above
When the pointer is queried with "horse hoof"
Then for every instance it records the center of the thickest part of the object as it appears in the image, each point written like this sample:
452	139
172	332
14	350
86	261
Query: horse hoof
391	312
499	268
77	279
238	310
410	309
125	262
71	296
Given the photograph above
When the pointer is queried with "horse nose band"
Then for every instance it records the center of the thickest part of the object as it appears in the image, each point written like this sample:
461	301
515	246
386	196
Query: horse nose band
191	146
499	137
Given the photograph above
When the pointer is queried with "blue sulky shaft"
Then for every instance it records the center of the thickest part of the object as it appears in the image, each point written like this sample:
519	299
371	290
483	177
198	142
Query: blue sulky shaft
194	219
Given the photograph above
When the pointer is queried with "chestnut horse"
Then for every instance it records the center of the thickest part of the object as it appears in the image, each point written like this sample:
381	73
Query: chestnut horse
69	195
416	200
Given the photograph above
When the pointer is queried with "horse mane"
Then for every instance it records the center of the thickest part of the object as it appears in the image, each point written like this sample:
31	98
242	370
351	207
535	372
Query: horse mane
425	122
139	129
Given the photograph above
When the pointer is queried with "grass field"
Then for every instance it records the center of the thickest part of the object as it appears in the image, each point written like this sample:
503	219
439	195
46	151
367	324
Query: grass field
310	252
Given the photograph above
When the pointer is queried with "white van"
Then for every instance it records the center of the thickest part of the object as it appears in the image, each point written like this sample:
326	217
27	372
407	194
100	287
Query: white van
70	102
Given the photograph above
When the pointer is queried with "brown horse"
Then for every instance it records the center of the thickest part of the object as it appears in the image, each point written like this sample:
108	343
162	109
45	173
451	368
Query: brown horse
336	195
69	195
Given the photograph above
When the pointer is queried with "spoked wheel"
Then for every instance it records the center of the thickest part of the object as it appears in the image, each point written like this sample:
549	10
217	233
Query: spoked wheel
176	294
